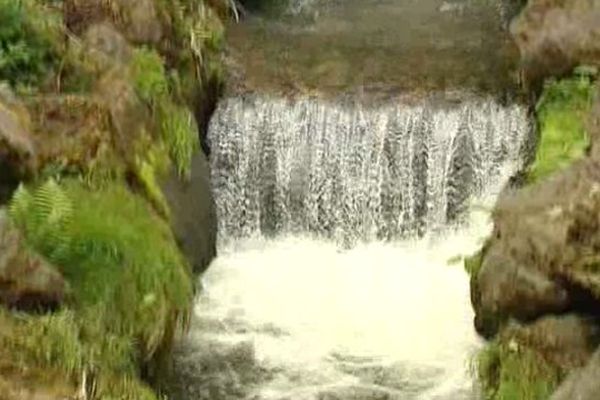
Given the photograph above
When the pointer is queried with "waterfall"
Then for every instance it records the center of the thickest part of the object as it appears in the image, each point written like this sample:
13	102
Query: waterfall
358	173
337	221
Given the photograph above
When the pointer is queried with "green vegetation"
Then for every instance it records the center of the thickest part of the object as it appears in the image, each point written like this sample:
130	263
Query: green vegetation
507	371
97	211
561	113
129	297
29	37
176	124
149	76
473	263
180	133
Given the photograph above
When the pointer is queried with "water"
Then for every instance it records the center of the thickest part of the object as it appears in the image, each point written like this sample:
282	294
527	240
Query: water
350	161
299	318
378	46
354	172
341	231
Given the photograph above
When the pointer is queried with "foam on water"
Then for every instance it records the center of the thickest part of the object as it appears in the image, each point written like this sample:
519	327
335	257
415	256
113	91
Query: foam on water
337	223
381	320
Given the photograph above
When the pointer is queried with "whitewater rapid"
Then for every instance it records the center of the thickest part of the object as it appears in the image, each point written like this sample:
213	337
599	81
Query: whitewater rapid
302	319
342	229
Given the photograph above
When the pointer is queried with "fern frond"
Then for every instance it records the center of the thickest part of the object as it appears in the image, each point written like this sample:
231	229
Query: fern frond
19	206
44	215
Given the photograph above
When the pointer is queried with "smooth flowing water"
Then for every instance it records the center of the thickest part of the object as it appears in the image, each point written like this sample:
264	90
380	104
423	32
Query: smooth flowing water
377	47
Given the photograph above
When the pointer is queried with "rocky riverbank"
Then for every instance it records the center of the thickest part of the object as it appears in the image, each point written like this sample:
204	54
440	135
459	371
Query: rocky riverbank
536	284
105	203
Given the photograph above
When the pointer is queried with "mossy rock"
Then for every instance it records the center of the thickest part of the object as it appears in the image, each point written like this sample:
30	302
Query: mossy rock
129	298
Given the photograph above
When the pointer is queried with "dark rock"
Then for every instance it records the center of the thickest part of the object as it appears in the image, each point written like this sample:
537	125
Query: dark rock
582	384
544	254
209	369
565	342
27	282
507	289
554	36
193	214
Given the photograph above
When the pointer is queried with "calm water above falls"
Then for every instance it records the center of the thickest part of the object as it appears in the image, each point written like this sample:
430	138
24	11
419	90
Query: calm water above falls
340	206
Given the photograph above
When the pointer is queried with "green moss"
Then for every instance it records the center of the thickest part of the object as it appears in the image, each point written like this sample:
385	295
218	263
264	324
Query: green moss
131	286
507	371
148	169
177	126
473	263
149	76
180	133
561	112
29	42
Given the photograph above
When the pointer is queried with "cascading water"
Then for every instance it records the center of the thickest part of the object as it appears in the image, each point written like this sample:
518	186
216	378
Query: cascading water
350	172
337	224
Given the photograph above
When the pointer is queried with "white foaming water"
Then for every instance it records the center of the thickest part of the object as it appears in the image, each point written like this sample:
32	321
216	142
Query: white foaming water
354	172
319	292
379	321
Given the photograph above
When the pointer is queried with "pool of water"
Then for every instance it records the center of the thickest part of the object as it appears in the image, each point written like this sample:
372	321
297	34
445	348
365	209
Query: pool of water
376	46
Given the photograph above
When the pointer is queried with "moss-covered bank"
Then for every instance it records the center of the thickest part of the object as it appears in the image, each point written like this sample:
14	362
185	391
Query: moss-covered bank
100	105
510	368
533	286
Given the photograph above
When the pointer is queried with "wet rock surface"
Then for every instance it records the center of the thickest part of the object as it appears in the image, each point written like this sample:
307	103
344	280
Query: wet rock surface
543	254
582	384
193	215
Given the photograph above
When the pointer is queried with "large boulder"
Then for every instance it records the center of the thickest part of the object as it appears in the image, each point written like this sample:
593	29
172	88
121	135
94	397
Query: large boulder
582	384
193	214
27	281
544	254
556	35
508	289
565	342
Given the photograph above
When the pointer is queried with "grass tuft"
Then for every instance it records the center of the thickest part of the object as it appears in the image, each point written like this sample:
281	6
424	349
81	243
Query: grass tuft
507	371
149	76
180	133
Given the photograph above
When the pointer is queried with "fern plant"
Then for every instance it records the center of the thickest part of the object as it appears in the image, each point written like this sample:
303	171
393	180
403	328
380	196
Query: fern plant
119	257
44	215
